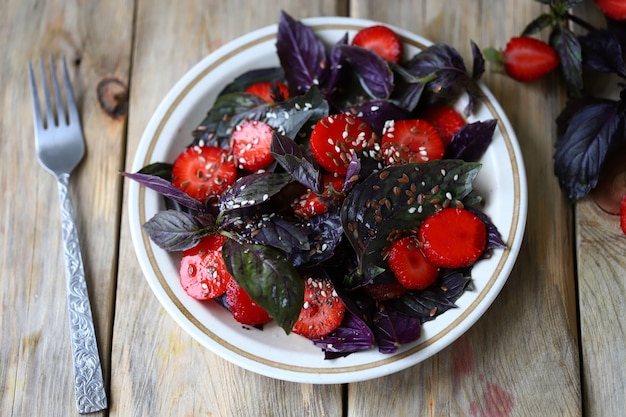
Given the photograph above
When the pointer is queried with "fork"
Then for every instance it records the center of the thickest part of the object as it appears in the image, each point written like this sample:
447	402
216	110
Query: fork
60	147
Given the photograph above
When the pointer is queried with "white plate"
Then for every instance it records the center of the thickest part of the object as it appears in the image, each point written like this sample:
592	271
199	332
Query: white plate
271	352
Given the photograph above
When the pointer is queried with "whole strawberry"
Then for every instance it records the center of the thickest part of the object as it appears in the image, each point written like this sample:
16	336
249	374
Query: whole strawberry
525	58
613	9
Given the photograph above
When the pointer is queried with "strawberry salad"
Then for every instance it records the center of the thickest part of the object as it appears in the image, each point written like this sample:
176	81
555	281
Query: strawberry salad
333	194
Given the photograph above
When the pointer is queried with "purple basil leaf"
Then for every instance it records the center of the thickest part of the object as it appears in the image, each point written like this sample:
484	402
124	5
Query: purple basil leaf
324	235
338	68
353	335
409	88
437	299
268	277
353	173
302	55
368	219
618	29
602	52
478	62
443	61
377	112
592	131
566	45
392	328
166	189
297	161
471	141
252	189
373	71
494	238
176	230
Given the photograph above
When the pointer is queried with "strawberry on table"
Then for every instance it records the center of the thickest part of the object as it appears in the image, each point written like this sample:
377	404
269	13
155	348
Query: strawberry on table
269	91
310	204
381	40
322	310
335	137
613	9
243	308
409	265
453	238
445	119
622	214
527	59
203	171
250	144
203	274
412	140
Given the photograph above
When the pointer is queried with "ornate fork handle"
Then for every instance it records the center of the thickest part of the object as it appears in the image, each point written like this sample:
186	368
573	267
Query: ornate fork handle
90	391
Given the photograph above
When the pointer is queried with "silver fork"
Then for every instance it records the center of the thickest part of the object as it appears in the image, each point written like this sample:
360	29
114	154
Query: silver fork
60	147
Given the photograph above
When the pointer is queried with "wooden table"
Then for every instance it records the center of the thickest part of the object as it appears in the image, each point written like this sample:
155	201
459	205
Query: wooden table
552	344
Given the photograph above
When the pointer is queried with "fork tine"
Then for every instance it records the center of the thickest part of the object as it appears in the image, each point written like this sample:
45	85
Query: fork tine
69	96
57	94
46	92
36	105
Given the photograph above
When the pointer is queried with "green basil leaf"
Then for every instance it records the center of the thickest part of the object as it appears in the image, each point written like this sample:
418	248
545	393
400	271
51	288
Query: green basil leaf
268	277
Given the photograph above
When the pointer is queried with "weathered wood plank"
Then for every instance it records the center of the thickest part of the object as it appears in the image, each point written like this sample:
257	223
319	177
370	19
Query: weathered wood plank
168	373
35	361
521	358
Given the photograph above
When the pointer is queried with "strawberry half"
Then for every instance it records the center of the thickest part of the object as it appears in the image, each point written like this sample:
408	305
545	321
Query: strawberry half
411	268
527	59
203	171
270	91
310	204
622	214
453	238
445	119
250	144
613	9
336	137
381	40
203	274
243	308
413	140
322	309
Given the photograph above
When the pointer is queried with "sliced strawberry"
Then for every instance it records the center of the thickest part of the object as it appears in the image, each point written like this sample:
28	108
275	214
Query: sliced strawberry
270	91
203	274
527	59
250	144
409	265
445	119
613	9
453	238
381	40
334	139
243	308
310	204
622	214
407	141
322	310
203	171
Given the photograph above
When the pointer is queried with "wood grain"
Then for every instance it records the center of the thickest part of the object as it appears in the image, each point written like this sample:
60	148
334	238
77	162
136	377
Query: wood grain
36	371
169	41
521	358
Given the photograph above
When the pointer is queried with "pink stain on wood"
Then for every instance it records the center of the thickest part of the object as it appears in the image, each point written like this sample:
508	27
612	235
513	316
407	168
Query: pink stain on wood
463	363
496	402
